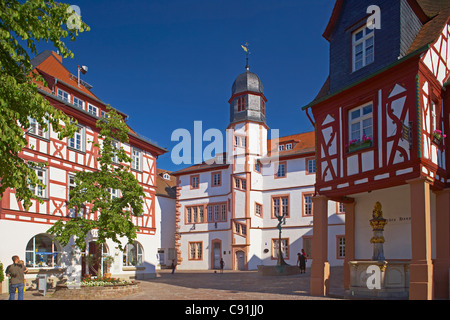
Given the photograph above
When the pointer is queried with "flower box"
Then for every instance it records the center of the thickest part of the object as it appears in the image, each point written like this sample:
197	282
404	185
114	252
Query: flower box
354	146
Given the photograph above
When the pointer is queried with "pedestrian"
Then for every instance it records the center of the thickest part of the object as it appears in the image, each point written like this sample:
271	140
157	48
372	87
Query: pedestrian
301	262
16	275
222	264
173	266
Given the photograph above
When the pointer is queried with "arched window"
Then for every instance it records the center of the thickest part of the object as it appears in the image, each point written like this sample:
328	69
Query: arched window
133	255
41	252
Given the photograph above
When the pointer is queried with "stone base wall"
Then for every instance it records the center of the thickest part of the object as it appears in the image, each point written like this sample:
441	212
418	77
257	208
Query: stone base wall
96	293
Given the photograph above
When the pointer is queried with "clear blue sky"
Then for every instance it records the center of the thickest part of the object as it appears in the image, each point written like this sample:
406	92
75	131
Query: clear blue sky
168	63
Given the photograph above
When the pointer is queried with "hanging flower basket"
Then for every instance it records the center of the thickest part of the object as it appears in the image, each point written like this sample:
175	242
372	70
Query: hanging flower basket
438	137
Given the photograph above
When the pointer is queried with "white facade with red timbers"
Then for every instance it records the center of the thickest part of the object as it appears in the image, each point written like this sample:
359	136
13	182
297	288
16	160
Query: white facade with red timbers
381	122
23	232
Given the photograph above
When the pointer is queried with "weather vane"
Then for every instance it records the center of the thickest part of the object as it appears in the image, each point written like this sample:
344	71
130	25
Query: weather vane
245	47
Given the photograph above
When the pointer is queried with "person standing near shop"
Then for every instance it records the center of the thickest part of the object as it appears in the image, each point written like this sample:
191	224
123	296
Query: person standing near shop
16	274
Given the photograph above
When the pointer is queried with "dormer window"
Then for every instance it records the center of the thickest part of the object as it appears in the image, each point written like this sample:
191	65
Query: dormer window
63	95
362	48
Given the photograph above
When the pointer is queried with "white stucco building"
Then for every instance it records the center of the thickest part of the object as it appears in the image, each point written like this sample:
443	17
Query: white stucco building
227	210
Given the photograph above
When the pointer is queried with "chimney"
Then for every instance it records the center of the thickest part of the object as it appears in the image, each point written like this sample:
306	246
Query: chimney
58	56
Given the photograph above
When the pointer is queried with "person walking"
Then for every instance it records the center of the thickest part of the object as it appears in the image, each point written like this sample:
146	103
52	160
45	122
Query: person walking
16	274
173	266
222	264
301	261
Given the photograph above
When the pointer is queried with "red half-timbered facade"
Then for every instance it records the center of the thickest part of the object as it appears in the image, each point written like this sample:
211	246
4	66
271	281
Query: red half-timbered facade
66	157
381	137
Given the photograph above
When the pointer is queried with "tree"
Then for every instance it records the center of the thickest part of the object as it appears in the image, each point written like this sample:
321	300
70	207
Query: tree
22	25
96	188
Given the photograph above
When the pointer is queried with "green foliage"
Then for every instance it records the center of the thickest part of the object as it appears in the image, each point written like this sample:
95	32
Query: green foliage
94	187
2	274
22	25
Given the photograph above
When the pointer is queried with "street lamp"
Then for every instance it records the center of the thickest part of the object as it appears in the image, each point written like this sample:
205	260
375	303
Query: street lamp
280	218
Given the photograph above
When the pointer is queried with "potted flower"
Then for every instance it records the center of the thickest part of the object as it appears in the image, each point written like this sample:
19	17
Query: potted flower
438	136
108	260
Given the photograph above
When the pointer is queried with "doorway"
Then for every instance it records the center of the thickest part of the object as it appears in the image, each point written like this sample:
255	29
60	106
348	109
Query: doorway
216	255
240	260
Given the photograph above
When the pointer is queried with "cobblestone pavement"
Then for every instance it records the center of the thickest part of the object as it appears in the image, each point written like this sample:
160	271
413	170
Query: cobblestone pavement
231	285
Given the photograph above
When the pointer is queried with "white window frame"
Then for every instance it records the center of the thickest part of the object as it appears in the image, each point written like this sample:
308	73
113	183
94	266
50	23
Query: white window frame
311	166
39	191
35	128
136	159
80	133
76	102
368	36
362	117
63	95
92	109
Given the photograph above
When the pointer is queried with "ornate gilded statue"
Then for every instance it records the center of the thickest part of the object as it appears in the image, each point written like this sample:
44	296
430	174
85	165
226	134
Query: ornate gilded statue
377	223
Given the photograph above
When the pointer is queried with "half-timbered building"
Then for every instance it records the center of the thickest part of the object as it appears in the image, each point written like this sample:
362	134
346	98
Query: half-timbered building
381	119
23	232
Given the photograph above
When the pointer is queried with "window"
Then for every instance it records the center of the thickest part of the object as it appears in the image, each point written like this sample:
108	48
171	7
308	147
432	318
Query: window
360	124
307	204
280	206
136	159
70	186
240	228
288	146
77	142
195	214
216	178
115	193
133	255
307	245
362	47
258	167
433	116
195	182
166	176
78	103
36	129
263	107
340	208
258	210
241	104
217	212
92	110
340	241
240	183
39	190
281	170
284	248
310	166
63	95
195	250
281	147
42	251
103	114
240	141
116	148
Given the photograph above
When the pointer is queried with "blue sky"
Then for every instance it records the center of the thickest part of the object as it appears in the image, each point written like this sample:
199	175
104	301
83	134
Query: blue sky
168	63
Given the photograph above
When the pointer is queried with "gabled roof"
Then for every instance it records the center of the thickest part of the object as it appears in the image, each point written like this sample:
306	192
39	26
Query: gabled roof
164	187
304	143
438	13
50	63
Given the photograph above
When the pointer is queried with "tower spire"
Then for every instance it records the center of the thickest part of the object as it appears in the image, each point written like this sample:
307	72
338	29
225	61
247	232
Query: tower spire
245	47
